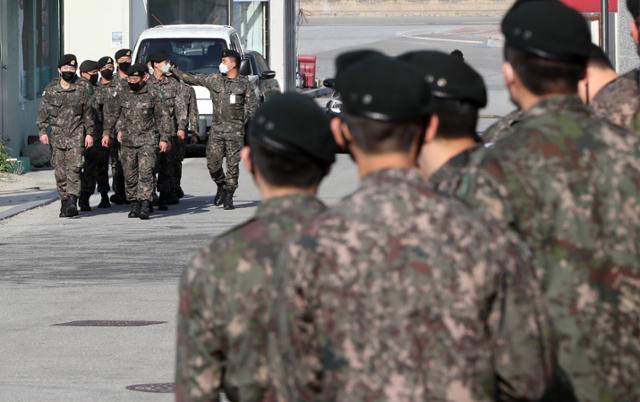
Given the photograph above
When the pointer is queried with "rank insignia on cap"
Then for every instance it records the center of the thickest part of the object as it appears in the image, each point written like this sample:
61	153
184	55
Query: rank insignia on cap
128	53
72	62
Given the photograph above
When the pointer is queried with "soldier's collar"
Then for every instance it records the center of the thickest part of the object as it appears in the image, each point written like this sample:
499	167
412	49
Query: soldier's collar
290	202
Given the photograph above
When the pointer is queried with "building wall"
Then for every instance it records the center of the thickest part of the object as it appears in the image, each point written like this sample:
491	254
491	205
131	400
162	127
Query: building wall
325	8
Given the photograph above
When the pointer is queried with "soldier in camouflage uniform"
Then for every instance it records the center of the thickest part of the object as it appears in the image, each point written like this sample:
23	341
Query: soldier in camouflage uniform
459	92
225	294
96	159
619	101
395	294
234	102
65	110
175	101
190	95
600	73
502	127
144	120
569	184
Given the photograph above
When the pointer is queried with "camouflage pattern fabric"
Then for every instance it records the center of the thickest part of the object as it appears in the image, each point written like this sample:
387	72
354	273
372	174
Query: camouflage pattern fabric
501	127
220	145
224	297
95	170
138	164
67	163
104	94
569	184
447	179
395	294
619	101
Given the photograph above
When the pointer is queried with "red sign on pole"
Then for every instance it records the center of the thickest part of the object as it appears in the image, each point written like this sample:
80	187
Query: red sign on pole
591	6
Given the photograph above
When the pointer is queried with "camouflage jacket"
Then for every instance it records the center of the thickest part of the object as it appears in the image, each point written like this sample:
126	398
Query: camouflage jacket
234	102
619	101
222	318
395	294
174	99
569	184
192	102
447	179
67	113
143	117
104	93
501	127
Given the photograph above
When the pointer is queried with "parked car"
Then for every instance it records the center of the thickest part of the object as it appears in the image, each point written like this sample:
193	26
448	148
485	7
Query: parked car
261	75
334	105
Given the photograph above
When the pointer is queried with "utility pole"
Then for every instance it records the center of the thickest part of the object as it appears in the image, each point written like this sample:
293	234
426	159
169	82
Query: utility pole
604	26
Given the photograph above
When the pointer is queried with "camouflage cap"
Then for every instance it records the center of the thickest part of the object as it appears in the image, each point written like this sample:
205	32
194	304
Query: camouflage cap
104	61
385	89
88	65
68	60
230	53
294	123
122	53
137	70
547	29
449	76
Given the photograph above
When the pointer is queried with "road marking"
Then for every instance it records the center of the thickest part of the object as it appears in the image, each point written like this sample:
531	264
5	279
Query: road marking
426	38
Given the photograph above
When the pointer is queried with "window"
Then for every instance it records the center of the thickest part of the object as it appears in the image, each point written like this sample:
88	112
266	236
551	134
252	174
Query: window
166	12
201	56
39	45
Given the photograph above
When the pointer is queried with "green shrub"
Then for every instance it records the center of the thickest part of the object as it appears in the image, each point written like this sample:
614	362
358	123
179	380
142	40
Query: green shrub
4	155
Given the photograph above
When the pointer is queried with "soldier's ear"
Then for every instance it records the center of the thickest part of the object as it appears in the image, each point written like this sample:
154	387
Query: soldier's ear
508	73
634	32
338	132
432	128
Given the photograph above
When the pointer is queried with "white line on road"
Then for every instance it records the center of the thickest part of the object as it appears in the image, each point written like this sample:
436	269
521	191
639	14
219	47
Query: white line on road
426	38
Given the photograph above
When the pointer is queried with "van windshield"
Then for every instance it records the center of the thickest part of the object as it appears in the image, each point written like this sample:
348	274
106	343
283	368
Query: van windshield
200	56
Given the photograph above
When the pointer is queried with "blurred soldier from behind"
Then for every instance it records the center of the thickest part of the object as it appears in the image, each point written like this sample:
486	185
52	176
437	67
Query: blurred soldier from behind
600	73
96	159
234	103
145	121
226	293
175	101
395	294
65	110
459	93
569	184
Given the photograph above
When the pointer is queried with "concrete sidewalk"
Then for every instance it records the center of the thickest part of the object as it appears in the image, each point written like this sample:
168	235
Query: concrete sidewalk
20	193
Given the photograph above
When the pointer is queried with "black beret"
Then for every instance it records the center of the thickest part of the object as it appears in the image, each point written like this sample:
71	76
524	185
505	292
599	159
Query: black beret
449	76
385	89
158	56
547	29
104	61
293	123
344	60
230	53
122	53
137	70
68	60
88	65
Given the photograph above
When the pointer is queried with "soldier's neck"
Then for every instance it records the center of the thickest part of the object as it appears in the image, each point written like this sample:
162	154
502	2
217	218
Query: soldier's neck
438	152
232	74
65	84
268	191
159	75
104	81
371	163
122	75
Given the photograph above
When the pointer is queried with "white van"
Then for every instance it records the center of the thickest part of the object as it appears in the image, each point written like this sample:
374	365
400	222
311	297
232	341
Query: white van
195	49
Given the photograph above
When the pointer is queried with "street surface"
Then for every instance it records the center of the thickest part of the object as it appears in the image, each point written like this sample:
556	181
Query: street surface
104	266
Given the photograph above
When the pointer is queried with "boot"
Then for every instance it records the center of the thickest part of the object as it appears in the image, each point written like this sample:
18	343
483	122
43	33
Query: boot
228	201
118	199
162	202
145	212
135	210
63	208
172	198
179	192
84	202
104	202
72	208
155	200
219	197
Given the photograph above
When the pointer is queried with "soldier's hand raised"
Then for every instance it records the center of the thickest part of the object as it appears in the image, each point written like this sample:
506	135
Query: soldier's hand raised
105	141
44	139
88	141
164	146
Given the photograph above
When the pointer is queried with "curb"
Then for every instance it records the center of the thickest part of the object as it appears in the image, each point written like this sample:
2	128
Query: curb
28	206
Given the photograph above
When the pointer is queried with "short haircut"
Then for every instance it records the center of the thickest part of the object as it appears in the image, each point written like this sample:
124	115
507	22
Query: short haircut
543	76
236	59
379	137
457	119
288	169
634	9
599	59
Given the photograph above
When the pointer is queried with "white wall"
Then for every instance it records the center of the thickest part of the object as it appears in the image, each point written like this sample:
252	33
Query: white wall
90	25
277	36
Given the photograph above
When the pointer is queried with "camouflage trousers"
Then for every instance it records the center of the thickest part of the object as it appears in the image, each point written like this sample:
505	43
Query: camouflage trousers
166	168
227	145
116	169
180	154
68	166
96	169
138	164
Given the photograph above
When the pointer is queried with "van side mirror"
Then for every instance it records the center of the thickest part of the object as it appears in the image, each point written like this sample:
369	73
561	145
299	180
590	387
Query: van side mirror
268	75
329	82
245	67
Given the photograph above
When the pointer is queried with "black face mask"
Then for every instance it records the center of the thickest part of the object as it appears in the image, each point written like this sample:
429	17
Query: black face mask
107	74
137	86
94	79
68	76
124	67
